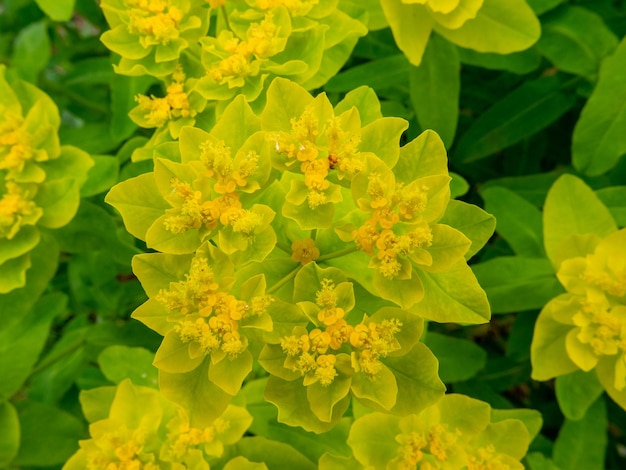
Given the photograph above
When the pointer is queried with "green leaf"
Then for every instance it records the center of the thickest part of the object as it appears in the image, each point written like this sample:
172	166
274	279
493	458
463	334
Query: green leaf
472	221
31	51
423	156
518	62
123	92
458	186
547	352
311	445
381	390
373	439
598	140
293	406
532	419
323	399
519	222
582	444
47	445
435	88
538	461
403	292
501	26
101	176
378	74
614	198
418	382
121	362
173	355
10	436
23	339
96	402
453	296
381	137
459	359
236	124
139	202
275	455
285	100
194	391
542	6
576	40
572	208
525	111
57	10
228	374
516	283
576	392
411	26
364	99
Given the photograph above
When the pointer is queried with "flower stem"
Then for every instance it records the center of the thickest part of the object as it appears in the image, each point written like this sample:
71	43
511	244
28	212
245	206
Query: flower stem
283	281
337	254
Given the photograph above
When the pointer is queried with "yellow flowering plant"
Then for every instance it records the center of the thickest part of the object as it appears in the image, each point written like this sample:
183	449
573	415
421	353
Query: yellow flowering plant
583	329
39	178
311	283
237	283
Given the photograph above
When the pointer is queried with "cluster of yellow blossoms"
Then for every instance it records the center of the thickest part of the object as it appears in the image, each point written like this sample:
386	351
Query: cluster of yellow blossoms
304	251
260	43
158	111
590	318
195	210
311	353
143	431
204	315
437	442
154	21
319	147
121	449
404	209
17	209
184	438
27	137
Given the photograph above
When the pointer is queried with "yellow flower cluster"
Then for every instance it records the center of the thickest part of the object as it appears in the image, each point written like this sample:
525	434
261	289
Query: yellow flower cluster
206	316
16	145
376	236
187	438
319	152
175	104
120	449
17	209
260	44
154	21
486	458
192	210
437	442
304	251
312	353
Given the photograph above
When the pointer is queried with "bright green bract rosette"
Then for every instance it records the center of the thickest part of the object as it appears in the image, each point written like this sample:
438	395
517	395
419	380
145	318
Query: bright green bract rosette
150	35
580	335
39	179
280	235
135	427
307	42
456	433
